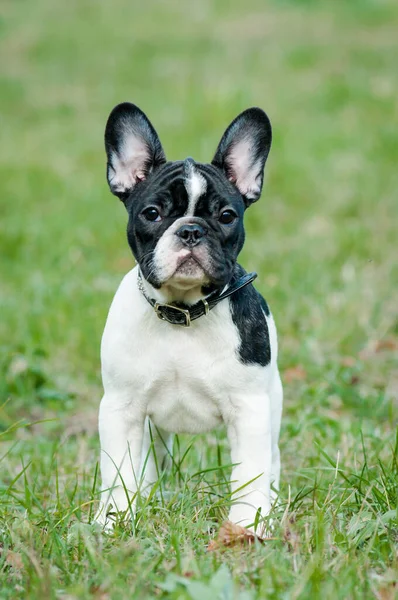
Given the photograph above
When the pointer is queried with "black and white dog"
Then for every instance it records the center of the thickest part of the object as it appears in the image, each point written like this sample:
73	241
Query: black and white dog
188	343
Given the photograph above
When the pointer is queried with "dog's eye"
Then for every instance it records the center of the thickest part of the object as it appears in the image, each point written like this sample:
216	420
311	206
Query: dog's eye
151	214
227	217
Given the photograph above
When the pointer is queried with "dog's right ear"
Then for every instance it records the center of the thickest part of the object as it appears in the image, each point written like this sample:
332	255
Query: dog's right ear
243	150
132	147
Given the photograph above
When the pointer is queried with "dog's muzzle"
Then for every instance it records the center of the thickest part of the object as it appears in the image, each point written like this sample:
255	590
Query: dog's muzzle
191	234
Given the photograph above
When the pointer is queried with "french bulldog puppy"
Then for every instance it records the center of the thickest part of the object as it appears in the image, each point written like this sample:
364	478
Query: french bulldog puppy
189	343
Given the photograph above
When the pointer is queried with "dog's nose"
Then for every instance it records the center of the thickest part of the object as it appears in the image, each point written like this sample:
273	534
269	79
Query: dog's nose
191	234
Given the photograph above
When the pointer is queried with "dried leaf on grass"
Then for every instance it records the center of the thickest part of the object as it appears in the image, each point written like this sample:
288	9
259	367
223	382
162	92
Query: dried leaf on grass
291	536
375	347
14	560
348	361
387	592
386	344
99	592
231	534
296	373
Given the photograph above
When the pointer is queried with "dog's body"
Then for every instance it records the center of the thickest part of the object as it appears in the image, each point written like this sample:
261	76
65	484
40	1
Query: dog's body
185	230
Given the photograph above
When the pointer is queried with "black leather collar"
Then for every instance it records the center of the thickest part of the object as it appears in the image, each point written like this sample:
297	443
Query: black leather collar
182	314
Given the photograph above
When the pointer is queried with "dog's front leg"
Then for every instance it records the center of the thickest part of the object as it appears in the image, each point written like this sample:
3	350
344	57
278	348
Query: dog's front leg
121	431
249	433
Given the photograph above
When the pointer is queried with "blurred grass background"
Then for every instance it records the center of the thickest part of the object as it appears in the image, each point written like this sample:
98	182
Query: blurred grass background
323	237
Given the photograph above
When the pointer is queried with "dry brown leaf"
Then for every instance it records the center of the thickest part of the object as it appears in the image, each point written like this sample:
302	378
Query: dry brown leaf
188	574
296	373
348	361
387	344
231	534
14	560
375	347
388	592
99	593
291	537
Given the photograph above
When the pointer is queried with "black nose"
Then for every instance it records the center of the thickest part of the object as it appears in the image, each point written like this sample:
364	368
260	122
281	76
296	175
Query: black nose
191	234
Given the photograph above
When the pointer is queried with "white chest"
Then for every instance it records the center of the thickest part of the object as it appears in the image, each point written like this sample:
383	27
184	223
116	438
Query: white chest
184	379
190	374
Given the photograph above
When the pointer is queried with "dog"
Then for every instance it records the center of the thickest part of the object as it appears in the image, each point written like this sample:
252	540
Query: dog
189	343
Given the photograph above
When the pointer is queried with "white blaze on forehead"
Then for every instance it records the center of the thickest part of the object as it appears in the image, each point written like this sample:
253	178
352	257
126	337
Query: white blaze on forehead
196	186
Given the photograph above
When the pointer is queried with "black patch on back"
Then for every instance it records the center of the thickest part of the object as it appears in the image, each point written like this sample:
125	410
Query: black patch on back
248	308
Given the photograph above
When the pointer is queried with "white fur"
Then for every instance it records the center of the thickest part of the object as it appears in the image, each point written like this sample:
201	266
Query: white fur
196	186
184	380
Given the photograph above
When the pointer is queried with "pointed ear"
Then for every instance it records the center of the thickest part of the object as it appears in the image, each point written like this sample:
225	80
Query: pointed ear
132	147
243	150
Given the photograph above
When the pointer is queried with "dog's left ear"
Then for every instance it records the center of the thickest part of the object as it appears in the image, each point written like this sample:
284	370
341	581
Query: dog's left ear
132	147
243	150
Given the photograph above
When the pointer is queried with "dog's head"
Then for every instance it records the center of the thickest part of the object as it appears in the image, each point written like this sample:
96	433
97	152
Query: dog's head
185	223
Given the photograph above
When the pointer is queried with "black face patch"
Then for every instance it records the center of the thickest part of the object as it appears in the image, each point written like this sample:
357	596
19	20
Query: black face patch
165	193
248	308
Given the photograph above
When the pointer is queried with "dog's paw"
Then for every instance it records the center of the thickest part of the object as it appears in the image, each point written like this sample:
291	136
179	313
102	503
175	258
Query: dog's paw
104	517
115	508
108	516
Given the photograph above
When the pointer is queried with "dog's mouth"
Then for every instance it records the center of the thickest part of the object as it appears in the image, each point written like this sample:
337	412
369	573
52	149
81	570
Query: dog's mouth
189	267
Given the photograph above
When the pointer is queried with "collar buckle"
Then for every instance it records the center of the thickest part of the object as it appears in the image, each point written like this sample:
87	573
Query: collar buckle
206	306
183	315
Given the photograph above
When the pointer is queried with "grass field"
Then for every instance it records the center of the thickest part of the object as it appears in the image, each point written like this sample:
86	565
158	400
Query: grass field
323	239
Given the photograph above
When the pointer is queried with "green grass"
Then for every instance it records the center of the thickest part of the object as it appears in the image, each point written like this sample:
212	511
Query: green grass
322	238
